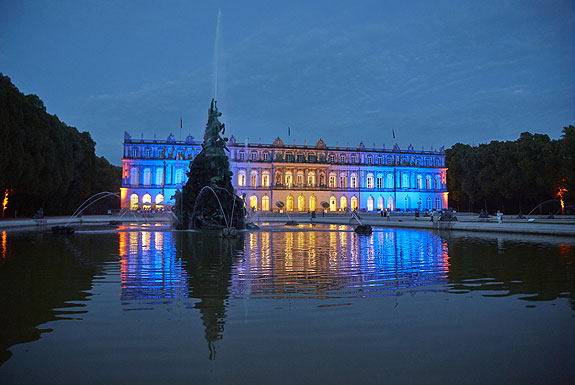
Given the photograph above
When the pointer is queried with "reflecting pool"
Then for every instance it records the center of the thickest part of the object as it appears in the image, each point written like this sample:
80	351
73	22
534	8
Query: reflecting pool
307	304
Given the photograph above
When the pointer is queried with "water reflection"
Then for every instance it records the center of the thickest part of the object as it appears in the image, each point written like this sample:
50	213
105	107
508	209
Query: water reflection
316	264
44	278
208	262
500	267
149	267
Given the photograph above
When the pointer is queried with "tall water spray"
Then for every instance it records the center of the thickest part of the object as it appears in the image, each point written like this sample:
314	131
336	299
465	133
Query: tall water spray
217	52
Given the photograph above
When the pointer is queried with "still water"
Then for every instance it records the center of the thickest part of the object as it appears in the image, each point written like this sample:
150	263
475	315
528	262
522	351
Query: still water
142	304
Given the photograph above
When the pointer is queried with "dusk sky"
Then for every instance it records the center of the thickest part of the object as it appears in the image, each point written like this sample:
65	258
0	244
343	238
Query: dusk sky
436	72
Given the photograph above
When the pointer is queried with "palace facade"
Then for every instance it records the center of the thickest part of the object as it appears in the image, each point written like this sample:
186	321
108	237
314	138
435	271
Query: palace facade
301	177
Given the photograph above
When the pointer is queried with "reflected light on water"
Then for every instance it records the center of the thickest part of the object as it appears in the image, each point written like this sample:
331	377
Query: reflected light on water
340	263
150	268
4	243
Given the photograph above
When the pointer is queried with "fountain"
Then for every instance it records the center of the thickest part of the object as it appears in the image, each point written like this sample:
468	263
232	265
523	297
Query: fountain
210	171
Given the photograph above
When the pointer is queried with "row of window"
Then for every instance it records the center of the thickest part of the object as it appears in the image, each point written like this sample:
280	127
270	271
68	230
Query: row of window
158	176
369	159
137	152
146	202
343	204
371	180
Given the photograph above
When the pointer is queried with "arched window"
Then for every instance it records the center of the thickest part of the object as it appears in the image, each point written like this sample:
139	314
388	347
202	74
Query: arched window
289	179
369	180
428	203
134	176
379	182
160	176
419	181
370	202
342	180
312	203
353	181
405	180
437	182
179	175
242	178
332	180
354	203
147	202
407	203
147	176
390	203
289	203
159	199
301	203
438	203
343	203
427	182
134	202
254	202
389	183
253	178
300	178
332	203
311	179
380	203
265	179
265	203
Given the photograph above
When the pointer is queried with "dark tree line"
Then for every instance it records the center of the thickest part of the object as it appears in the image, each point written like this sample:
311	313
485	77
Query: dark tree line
45	163
512	176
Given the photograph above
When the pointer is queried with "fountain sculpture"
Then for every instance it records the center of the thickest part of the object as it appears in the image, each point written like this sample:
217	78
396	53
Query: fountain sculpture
195	207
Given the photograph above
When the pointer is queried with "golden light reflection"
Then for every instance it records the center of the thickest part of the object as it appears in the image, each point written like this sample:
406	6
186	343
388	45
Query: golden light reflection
4	244
313	263
150	267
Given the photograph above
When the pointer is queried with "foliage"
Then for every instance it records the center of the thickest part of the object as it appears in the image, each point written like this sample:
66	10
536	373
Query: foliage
44	162
512	176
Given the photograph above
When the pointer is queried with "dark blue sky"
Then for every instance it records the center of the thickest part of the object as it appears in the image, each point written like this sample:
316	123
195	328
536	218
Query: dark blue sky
436	72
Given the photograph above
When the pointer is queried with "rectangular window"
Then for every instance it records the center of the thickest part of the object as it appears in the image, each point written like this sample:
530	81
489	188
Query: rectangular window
342	181
289	157
379	182
242	155
332	181
342	159
301	158
266	156
312	158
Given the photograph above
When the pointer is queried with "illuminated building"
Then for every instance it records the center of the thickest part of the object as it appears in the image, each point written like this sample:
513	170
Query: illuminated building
299	176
